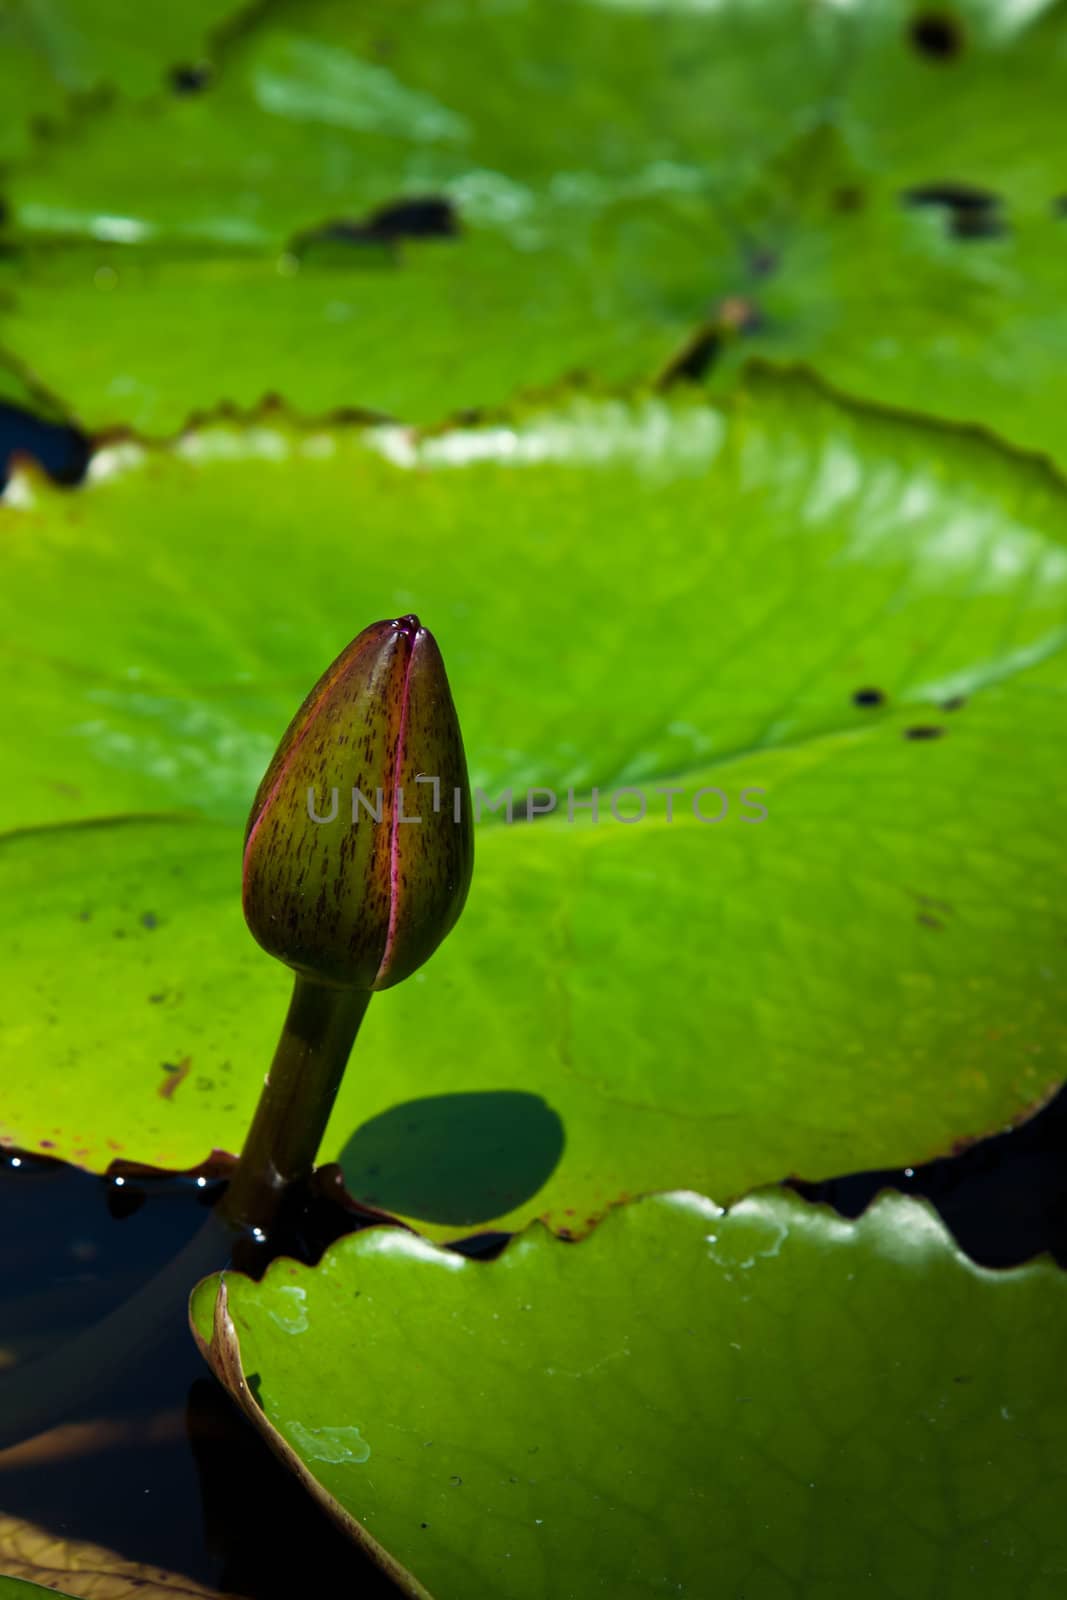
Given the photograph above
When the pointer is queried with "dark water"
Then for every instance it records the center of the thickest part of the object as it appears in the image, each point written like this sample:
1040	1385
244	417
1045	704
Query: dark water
1004	1199
171	1474
63	451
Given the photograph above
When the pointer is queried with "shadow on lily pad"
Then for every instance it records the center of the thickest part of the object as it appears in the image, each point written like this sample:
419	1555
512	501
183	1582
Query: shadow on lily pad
454	1158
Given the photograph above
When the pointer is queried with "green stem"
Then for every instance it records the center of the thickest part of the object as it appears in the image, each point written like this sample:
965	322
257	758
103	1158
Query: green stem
281	1146
297	1099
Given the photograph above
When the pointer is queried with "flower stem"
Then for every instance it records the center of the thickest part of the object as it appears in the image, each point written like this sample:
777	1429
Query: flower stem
297	1099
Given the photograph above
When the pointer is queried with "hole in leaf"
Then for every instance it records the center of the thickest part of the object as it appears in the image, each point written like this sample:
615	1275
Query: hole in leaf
418	217
937	35
956	196
191	78
972	213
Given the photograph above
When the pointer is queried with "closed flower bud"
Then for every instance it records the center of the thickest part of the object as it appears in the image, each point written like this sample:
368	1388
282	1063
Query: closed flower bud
359	847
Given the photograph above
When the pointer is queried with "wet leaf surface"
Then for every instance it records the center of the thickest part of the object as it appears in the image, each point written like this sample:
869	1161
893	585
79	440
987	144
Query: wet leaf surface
770	1402
860	618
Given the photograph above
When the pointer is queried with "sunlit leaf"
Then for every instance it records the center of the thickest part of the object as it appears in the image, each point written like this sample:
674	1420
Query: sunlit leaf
776	595
590	183
940	303
326	110
768	1402
52	55
340	333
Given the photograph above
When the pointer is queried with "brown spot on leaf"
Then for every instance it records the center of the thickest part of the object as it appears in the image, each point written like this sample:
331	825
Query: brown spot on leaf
849	197
176	1072
932	900
738	314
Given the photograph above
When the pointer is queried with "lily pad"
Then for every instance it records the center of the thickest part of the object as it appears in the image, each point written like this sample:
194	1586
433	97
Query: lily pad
324	110
767	1402
569	241
55	57
35	1561
860	618
340	332
598	231
919	86
939	298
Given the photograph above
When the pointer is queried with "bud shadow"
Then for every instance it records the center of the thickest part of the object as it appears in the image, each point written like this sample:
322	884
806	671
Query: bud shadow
454	1158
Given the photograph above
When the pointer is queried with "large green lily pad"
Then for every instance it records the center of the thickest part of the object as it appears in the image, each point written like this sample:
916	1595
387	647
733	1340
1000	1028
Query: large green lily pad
323	108
625	596
769	1402
60	62
895	301
329	334
582	236
597	229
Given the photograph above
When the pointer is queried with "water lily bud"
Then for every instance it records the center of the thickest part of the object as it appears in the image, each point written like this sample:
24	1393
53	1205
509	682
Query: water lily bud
358	851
